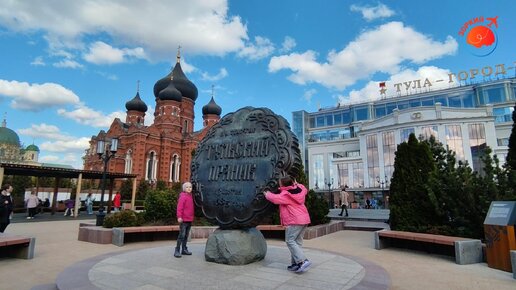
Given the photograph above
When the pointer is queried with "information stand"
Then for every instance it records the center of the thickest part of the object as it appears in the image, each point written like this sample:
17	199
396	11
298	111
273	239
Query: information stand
500	234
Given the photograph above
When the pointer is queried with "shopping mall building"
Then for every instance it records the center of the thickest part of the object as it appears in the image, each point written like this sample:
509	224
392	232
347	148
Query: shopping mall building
355	144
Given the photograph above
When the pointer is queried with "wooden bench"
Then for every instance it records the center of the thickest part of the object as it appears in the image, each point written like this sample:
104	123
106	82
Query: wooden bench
144	233
17	246
466	251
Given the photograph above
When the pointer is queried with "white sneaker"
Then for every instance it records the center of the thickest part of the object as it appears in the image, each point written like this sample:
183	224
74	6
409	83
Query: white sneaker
304	266
28	217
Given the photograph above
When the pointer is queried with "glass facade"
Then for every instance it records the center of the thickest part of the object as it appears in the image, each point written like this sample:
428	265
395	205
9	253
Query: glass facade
503	115
343	174
428	131
358	174
318	174
454	140
405	133
389	149
373	161
477	144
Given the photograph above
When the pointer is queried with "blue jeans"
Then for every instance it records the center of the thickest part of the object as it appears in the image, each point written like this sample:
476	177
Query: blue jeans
294	239
184	231
90	208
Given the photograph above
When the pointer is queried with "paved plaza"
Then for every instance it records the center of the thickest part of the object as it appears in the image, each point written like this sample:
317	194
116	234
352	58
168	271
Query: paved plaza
342	260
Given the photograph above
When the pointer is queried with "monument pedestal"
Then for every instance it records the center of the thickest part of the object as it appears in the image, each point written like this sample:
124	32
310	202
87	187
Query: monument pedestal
235	246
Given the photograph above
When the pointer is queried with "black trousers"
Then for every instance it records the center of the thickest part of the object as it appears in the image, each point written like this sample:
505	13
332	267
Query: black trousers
184	231
3	225
344	208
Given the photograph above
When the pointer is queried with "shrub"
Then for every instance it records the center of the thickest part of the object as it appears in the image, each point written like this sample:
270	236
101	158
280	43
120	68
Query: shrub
125	218
317	208
160	206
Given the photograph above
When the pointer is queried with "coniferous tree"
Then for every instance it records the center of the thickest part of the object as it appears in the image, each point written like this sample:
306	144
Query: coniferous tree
411	206
511	156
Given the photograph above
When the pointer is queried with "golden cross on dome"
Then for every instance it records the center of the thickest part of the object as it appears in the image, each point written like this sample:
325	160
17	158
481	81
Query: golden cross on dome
178	57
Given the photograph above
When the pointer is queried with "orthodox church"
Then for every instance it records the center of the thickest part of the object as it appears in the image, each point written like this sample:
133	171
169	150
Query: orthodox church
164	150
11	150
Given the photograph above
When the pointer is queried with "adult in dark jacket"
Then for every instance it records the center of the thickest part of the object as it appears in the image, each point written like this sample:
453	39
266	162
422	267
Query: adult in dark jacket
6	206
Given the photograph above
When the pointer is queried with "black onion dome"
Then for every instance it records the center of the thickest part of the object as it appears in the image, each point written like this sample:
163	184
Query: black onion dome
183	84
170	93
211	108
136	104
162	84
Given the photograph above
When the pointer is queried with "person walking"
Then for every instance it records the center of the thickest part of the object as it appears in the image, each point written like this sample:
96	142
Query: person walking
294	216
32	203
69	203
344	199
117	201
185	217
6	206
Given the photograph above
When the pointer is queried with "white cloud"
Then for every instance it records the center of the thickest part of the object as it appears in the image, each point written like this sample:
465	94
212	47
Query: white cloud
67	63
36	97
38	61
103	53
48	159
262	48
372	13
201	27
371	90
307	95
207	77
383	49
77	145
87	116
45	131
108	76
288	44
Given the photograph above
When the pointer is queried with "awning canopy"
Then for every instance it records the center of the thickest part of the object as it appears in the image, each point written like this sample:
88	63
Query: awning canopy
43	171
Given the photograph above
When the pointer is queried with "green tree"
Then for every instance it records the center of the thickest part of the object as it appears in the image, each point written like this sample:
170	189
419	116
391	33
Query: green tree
143	188
126	189
161	185
160	206
412	204
511	155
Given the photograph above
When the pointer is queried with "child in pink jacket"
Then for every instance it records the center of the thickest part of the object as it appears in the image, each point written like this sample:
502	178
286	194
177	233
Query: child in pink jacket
294	216
185	217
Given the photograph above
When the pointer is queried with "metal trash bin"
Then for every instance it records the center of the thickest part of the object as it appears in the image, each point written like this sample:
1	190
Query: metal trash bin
500	235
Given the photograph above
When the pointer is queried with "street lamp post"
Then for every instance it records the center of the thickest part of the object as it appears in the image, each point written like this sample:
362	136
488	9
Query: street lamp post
329	182
105	153
383	184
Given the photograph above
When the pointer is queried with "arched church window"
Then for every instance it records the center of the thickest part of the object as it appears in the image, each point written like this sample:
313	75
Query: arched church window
151	166
128	162
175	164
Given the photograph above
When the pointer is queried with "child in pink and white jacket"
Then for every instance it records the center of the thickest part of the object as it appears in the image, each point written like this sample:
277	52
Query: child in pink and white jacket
294	216
185	217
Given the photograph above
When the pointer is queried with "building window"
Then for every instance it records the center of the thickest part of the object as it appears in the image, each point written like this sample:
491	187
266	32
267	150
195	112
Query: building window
503	115
373	161
428	131
503	141
339	154
405	133
318	178
355	153
358	174
128	162
492	95
343	174
454	140
151	166
185	126
389	149
477	143
175	166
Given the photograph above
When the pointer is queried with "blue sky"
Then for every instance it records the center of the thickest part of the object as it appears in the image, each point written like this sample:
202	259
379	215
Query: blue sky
67	68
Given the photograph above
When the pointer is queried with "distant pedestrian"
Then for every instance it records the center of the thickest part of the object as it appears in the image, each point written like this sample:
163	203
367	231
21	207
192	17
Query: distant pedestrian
89	203
185	217
368	203
116	201
69	204
294	216
32	203
6	206
344	199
